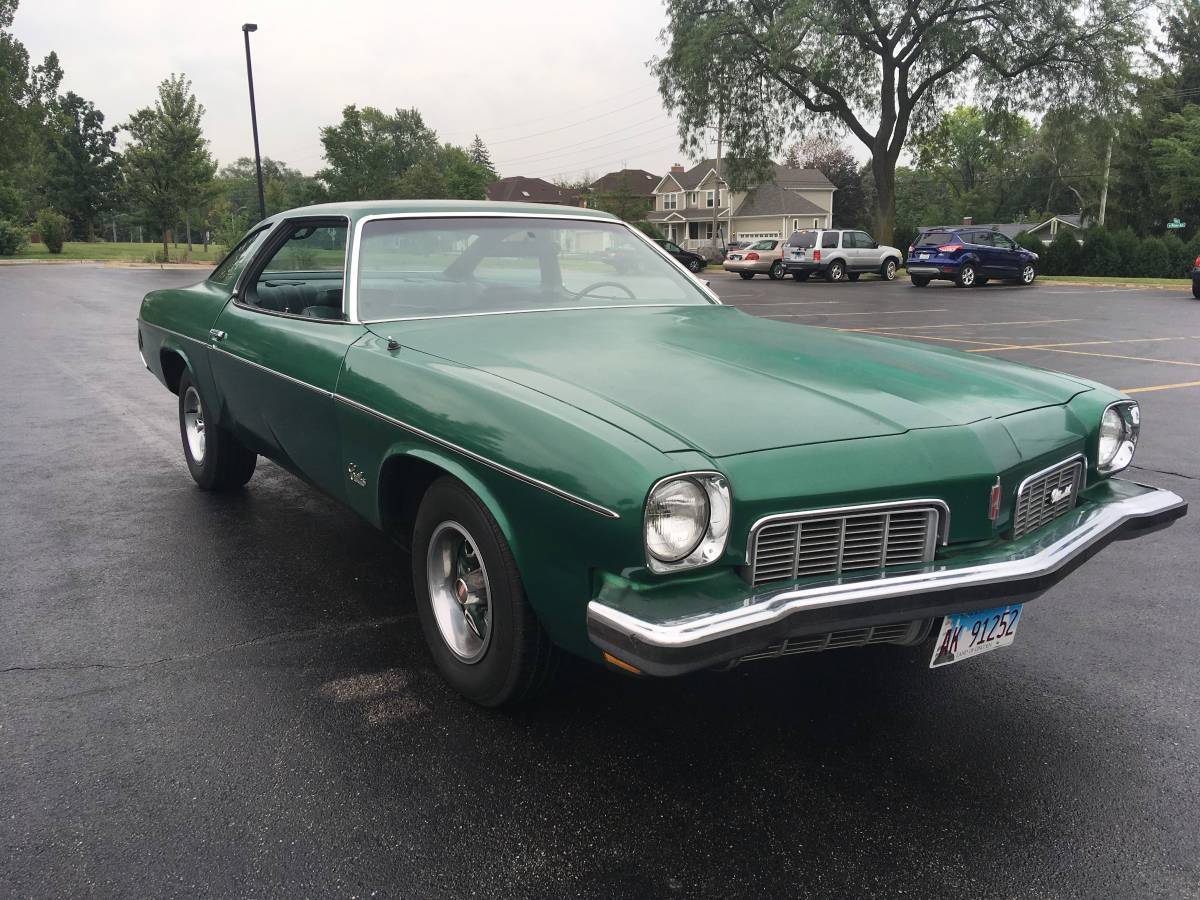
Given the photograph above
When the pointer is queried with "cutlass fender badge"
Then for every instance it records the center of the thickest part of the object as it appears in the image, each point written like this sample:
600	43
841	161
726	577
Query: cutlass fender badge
356	475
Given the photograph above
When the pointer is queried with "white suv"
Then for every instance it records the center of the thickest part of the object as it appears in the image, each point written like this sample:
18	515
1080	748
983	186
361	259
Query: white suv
838	255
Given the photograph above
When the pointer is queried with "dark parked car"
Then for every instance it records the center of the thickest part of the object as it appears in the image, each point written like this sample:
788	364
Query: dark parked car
969	257
694	261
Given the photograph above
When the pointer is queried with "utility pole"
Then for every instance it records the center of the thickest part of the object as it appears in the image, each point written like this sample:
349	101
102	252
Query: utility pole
717	192
1107	169
262	203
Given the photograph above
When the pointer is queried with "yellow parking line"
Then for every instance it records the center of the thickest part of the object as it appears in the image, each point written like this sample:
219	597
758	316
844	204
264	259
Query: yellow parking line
1161	387
959	324
926	337
888	312
1081	344
1167	362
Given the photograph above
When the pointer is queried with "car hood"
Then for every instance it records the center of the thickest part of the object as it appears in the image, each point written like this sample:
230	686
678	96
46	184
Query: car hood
714	379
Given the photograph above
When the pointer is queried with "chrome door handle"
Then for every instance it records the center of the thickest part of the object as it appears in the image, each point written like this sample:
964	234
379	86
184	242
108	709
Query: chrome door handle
217	334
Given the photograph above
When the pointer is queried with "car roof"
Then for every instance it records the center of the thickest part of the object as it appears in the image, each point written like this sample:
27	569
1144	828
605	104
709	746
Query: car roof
360	209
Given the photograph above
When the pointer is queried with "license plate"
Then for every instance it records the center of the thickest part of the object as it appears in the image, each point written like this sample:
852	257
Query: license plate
735	257
797	254
965	635
922	256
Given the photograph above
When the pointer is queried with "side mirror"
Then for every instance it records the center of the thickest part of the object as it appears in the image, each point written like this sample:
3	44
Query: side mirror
874	245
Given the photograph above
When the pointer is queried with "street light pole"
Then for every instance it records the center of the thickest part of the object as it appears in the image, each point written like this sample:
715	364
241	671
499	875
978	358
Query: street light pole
262	202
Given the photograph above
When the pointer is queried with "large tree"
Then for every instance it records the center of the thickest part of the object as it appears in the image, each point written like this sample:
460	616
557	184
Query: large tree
368	151
828	155
479	155
168	168
84	174
879	67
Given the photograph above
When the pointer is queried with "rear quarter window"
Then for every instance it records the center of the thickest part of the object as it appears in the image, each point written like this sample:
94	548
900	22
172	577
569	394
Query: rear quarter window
829	239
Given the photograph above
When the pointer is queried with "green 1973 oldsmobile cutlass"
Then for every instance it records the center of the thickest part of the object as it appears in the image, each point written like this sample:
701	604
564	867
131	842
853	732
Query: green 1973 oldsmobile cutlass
585	451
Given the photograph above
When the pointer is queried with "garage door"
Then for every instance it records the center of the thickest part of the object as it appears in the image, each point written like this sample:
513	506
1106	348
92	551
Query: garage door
758	235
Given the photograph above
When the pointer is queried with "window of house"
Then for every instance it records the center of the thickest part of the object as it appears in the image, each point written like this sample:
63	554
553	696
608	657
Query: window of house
693	198
712	198
670	201
700	231
816	223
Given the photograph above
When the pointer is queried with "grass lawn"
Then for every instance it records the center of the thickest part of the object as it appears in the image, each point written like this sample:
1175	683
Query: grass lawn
123	252
1104	279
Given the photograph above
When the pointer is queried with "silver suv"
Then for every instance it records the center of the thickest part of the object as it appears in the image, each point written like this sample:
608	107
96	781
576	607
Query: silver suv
838	255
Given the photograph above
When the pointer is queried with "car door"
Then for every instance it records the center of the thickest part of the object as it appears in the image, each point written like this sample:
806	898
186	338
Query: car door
984	250
861	258
279	348
1008	256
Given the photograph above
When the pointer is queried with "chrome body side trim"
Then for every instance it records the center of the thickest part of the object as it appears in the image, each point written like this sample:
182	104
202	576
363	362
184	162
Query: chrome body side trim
771	608
186	337
483	460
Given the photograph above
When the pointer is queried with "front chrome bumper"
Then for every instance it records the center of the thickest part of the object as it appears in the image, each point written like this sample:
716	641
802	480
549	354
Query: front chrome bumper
625	625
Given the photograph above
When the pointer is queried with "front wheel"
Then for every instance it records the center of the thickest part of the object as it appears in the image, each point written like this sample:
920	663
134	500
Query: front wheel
482	633
746	275
888	271
695	266
215	458
835	272
1028	273
1196	288
776	271
920	280
966	276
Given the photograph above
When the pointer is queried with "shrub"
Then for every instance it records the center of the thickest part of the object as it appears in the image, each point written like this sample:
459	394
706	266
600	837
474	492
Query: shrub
1154	261
52	226
1099	253
1178	264
12	238
649	230
1063	254
1129	249
1192	251
1031	242
903	236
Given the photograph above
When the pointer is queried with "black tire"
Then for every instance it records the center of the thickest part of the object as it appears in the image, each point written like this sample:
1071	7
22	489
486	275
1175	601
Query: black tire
519	661
967	276
981	281
888	270
853	276
836	271
1196	288
800	276
746	275
223	463
776	271
919	280
695	266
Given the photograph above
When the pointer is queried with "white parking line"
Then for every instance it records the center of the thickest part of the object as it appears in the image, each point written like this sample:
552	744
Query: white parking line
886	312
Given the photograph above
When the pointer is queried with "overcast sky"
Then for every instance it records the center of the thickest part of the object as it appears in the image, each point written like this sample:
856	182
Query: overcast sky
554	87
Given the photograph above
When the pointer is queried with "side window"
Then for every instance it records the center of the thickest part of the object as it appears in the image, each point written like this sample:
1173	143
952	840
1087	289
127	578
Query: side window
829	239
1002	241
982	238
672	248
228	270
862	240
303	273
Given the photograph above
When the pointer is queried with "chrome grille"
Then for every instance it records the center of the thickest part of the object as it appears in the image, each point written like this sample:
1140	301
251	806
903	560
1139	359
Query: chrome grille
899	633
829	542
1046	495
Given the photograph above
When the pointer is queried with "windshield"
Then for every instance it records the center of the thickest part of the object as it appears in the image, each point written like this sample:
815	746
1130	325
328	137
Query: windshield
428	267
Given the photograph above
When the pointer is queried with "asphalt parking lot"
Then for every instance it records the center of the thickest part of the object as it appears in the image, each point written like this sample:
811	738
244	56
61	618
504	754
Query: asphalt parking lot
230	696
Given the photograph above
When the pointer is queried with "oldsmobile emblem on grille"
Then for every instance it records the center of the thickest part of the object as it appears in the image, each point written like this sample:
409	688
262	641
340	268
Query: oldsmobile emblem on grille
1060	493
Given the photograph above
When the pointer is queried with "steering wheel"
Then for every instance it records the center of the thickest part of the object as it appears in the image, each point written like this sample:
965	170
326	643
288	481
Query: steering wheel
603	284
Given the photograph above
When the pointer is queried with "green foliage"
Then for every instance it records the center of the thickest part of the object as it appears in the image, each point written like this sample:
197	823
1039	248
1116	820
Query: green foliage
369	151
53	227
1129	250
1099	255
650	230
1177	158
1030	242
904	235
826	154
1064	254
1178	262
12	238
284	188
480	157
13	204
167	165
84	176
1154	261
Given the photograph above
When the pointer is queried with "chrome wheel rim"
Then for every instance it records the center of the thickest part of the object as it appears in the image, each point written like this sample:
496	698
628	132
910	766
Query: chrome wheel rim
889	271
193	424
1027	274
459	591
836	273
968	276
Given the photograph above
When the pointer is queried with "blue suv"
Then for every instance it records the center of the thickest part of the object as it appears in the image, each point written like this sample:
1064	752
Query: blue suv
969	256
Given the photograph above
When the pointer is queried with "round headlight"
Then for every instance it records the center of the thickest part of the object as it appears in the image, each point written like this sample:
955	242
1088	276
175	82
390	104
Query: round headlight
676	519
1119	427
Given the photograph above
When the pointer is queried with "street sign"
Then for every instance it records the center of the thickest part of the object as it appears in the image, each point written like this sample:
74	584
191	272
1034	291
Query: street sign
1175	223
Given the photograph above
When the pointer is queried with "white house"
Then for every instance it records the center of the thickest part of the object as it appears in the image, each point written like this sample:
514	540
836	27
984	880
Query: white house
684	201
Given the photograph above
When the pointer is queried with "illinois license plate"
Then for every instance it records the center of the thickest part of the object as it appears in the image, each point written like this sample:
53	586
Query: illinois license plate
922	256
965	635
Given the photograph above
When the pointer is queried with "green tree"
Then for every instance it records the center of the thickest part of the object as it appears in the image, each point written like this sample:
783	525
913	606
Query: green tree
479	156
1177	158
84	173
1155	260
827	154
1128	247
1099	255
1063	255
168	168
52	227
368	151
27	97
283	186
879	68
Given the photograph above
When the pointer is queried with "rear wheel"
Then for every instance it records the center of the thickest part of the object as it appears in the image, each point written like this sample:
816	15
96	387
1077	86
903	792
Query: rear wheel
800	276
215	458
695	265
746	275
776	271
966	276
836	271
482	633
888	271
1028	273
919	280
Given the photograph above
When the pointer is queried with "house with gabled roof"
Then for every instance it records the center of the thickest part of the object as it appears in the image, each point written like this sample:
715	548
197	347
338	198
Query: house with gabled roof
518	188
791	199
